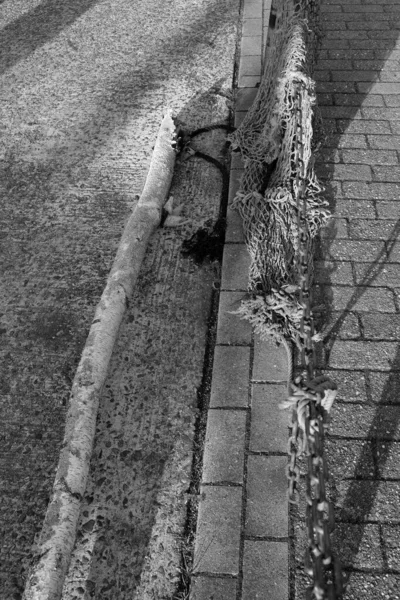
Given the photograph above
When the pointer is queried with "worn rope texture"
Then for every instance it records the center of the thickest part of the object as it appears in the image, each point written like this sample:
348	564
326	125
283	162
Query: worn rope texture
267	196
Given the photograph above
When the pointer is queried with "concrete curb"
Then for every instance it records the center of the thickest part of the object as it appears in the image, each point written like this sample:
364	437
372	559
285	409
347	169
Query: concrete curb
58	533
242	538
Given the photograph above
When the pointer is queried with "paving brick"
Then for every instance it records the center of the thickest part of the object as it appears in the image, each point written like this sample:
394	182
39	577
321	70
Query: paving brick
389	174
325	99
334	8
230	385
343	325
328	155
368	500
346	207
393	251
391	543
349	459
385	387
362	126
384	35
346	141
234	227
361	298
251	27
335	64
382	142
212	588
251	65
343	87
364	355
358	7
382	54
387	210
378	25
371	112
270	361
358	546
247	81
351	385
374	191
218	530
333	272
376	64
358	76
269	424
266	491
251	45
361	251
378	44
235	177
393	100
389	77
383	274
235	267
323	75
377	88
371	586
358	100
388	459
395	127
336	24
346	35
333	189
361	54
370	157
362	421
245	98
224	446
237	163
231	329
350	172
265	568
370	229
336	228
252	10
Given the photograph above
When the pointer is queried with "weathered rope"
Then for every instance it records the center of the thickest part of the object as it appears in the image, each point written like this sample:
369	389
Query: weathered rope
266	199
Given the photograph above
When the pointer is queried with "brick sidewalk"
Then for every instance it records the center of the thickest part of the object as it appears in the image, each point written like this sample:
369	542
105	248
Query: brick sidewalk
243	546
358	281
243	514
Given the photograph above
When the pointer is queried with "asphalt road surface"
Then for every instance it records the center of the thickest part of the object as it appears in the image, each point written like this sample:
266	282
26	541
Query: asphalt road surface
84	86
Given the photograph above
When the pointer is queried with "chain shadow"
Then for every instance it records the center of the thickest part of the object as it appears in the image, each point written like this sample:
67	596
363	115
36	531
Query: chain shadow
361	494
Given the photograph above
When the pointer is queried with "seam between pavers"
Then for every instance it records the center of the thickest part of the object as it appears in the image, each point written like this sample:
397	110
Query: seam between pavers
233	285
244	497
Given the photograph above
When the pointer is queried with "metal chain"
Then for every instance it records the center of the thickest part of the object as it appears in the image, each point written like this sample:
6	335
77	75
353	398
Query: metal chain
311	399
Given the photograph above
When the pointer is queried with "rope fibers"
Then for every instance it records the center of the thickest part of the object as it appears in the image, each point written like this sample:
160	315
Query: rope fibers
266	199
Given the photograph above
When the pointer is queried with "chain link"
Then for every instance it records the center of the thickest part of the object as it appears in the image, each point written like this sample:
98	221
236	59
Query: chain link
311	399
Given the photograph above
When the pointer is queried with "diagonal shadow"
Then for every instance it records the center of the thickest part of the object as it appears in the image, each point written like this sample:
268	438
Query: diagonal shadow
37	27
368	43
133	88
120	98
371	273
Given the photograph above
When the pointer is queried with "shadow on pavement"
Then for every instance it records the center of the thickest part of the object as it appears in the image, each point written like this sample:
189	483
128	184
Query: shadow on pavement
359	501
37	27
78	232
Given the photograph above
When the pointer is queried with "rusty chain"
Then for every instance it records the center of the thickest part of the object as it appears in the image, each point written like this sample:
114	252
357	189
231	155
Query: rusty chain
311	399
